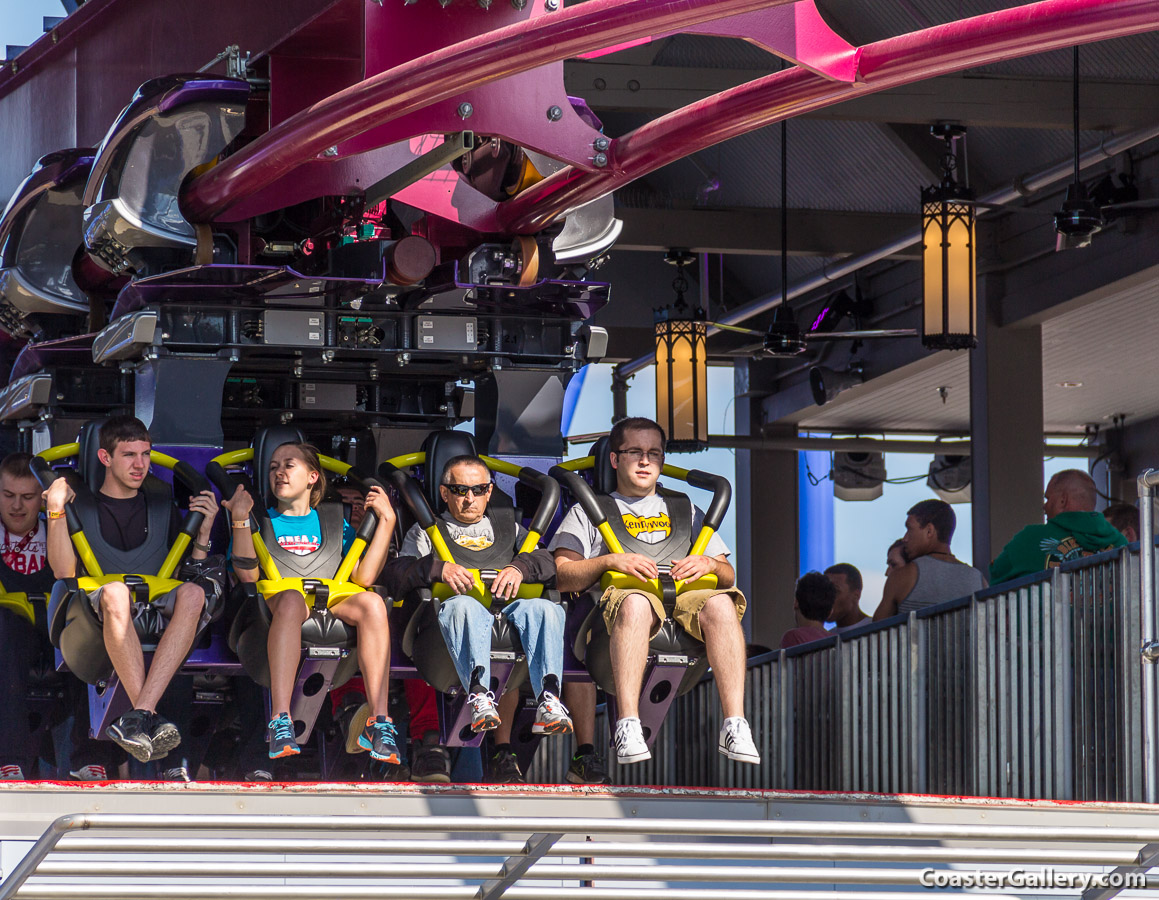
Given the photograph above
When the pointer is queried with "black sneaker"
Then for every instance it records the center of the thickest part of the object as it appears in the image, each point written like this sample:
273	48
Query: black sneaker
505	768
588	768
432	765
380	770
380	738
164	736
177	773
132	733
280	737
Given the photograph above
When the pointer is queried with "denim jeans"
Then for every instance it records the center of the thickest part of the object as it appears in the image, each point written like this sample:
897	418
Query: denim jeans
466	627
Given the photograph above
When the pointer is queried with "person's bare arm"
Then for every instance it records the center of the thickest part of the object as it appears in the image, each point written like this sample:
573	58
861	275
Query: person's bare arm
574	573
897	587
369	567
61	556
238	509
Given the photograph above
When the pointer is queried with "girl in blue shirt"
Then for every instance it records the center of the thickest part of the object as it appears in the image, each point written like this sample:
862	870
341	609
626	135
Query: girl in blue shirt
298	485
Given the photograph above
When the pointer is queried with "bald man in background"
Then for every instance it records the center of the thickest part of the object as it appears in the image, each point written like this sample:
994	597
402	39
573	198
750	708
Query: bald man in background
1073	530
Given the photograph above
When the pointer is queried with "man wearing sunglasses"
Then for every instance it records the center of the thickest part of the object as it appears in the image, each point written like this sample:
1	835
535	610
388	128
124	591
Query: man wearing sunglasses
652	517
476	541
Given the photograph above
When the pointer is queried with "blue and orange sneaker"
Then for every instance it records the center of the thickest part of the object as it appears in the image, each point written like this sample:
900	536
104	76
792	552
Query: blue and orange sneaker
280	737
380	738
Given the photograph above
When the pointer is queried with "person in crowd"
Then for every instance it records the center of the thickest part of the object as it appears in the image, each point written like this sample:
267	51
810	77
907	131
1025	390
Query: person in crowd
633	616
295	529
1073	530
933	574
1125	517
847	612
895	556
466	624
812	605
24	570
124	452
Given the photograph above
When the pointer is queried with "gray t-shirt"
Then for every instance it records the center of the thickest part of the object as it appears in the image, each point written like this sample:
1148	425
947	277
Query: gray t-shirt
646	518
478	536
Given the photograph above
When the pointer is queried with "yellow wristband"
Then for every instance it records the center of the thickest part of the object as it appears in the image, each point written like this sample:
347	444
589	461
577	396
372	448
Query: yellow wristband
54	514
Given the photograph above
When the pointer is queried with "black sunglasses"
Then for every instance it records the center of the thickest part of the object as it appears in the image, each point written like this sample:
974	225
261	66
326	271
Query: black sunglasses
460	490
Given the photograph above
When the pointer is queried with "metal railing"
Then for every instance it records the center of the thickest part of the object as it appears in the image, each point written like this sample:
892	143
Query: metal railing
1030	689
526	858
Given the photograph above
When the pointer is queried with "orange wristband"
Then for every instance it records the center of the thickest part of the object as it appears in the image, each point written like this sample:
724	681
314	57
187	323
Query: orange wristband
52	514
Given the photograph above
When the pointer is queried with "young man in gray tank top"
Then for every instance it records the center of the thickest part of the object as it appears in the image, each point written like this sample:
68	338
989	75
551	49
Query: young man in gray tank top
933	574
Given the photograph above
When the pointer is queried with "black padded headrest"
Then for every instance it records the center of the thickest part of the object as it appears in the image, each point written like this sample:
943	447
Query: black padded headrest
441	447
88	464
266	441
603	475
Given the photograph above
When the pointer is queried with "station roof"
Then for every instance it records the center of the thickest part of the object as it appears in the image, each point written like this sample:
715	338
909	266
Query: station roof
854	175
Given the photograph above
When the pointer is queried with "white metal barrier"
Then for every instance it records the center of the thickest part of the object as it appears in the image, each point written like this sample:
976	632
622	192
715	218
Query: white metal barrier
527	858
1029	689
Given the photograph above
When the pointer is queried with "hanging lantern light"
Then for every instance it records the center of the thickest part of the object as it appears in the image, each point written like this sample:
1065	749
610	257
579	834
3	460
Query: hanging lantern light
682	367
949	307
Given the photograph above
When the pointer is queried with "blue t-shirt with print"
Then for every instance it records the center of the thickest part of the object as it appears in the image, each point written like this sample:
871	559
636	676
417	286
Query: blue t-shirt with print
302	535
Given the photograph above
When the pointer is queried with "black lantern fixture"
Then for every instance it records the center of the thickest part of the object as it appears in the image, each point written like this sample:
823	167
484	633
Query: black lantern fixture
682	366
949	307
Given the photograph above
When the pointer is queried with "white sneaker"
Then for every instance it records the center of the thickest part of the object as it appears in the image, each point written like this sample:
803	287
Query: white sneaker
90	773
551	716
630	744
484	715
736	741
11	772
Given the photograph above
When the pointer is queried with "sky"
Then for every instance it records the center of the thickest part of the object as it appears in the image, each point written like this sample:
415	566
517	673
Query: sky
22	21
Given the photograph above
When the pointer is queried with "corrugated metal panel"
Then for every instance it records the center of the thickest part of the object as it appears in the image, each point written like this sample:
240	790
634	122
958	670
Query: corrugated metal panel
832	166
999	155
715	53
1123	59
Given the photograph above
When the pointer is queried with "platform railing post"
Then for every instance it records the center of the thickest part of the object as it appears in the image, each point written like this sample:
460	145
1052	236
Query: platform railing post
1150	647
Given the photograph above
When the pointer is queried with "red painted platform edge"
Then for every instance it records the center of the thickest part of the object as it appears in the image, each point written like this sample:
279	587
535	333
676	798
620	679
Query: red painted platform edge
555	790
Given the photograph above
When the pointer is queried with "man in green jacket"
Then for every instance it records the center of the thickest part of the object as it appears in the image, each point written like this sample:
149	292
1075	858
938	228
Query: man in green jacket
1073	530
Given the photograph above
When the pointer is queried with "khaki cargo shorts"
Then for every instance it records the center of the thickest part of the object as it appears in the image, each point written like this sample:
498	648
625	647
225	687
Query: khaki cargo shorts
687	612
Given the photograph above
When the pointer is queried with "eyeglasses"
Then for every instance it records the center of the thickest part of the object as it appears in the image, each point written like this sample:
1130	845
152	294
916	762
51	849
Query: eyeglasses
461	490
634	454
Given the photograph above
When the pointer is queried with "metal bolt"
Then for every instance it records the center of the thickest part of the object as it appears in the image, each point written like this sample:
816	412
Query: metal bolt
600	159
551	5
602	143
286	417
465	110
442	407
327	356
330	151
486	4
296	371
402	359
372	372
518	4
554	114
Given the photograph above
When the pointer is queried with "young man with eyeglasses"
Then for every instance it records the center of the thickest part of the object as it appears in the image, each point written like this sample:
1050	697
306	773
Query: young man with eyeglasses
466	624
634	616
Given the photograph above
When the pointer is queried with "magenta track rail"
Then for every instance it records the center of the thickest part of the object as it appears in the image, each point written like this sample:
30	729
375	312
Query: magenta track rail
1008	34
438	76
597	24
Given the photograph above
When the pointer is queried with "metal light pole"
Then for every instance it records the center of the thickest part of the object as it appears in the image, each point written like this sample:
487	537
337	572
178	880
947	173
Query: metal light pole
1150	649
